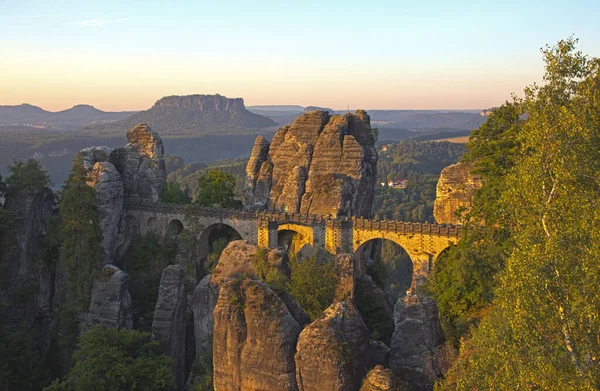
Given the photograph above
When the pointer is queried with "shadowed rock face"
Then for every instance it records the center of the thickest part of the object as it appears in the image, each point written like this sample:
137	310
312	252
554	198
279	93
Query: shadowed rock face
111	302
320	164
254	339
332	351
169	324
418	332
105	178
141	164
455	190
20	246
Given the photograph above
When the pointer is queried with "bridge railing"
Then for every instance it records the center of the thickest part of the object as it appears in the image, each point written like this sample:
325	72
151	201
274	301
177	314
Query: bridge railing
304	219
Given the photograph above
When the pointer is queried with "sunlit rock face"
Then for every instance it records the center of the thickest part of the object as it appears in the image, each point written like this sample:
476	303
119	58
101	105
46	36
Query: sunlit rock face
332	351
454	192
254	339
320	164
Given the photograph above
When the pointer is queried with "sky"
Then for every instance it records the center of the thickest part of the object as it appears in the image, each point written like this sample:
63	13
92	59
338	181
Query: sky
125	55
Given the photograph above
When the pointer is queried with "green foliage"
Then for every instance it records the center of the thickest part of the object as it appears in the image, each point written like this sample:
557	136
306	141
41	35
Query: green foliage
420	163
203	373
22	365
26	176
213	258
216	187
174	194
541	331
270	275
145	261
111	359
80	234
312	283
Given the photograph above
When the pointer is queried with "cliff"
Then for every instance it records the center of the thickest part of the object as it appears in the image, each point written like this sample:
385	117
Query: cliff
192	115
320	164
455	191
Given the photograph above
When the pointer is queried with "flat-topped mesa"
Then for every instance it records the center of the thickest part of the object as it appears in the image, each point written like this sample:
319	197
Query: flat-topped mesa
320	164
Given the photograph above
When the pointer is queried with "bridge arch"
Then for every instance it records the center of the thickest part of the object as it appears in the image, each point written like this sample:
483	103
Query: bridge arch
296	238
152	225
175	227
423	249
212	233
388	263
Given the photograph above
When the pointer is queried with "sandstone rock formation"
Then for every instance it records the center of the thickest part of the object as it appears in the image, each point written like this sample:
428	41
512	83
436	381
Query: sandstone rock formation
141	164
256	190
254	339
379	354
204	301
111	302
105	178
418	332
320	164
382	379
169	324
332	351
237	260
375	309
455	190
20	247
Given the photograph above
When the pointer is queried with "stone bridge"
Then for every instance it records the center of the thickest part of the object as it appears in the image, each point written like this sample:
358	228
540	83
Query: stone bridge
422	242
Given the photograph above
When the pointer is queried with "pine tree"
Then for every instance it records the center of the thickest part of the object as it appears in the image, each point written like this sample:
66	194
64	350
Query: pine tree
80	234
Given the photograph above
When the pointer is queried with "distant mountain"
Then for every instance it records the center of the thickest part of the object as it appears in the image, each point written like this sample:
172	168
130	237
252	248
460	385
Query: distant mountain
70	119
313	108
17	114
427	119
192	115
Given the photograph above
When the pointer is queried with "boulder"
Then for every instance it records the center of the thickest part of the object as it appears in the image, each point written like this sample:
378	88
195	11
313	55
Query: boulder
110	304
417	334
332	351
141	164
455	190
254	339
169	324
107	181
237	260
93	155
382	379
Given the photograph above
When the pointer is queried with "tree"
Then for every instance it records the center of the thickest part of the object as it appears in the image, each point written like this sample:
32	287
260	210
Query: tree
26	176
175	195
541	331
80	234
216	187
312	283
111	359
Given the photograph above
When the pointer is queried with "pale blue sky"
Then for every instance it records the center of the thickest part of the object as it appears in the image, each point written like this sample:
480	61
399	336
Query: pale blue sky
369	54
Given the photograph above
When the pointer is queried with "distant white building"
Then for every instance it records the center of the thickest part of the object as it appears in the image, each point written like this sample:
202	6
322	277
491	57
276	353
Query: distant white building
395	183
